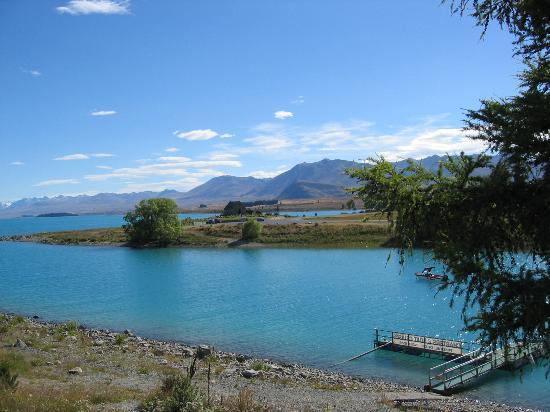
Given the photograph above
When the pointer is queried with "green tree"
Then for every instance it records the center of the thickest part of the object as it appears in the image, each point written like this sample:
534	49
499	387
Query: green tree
251	230
153	221
491	232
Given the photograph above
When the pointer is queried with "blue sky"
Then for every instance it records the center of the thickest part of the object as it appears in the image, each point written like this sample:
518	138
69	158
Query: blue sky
121	96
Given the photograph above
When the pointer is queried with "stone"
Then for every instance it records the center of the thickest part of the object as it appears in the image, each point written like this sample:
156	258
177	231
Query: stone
20	344
128	332
163	362
99	342
203	351
250	373
187	352
72	339
75	371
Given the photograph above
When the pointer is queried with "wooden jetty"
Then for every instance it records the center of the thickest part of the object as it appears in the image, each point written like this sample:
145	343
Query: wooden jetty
464	361
420	345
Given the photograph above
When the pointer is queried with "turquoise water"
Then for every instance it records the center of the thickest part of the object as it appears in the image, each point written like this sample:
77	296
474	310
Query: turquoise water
27	225
311	213
316	307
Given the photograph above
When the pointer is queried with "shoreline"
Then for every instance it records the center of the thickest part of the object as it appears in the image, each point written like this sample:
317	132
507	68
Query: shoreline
279	384
275	234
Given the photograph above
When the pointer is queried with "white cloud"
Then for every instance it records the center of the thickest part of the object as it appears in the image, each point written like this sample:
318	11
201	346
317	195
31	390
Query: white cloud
184	184
176	159
103	113
76	156
298	100
283	114
438	141
174	166
200	134
102	167
181	160
76	7
352	139
17	163
172	150
222	156
33	72
102	155
226	135
270	143
57	182
83	156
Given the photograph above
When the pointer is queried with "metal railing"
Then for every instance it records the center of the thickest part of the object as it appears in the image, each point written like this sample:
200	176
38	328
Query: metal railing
382	336
444	377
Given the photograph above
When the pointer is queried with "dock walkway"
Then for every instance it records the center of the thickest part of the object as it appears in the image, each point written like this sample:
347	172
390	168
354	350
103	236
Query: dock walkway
463	361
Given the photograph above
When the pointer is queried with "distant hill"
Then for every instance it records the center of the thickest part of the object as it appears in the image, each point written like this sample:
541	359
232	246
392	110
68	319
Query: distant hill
224	188
323	179
329	173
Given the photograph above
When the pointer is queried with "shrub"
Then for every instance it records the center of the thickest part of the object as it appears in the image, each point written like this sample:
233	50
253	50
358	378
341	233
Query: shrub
8	381
69	328
251	230
177	394
260	366
120	339
153	221
187	222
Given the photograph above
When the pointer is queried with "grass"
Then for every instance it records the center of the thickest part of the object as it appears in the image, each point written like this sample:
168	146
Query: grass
310	235
260	366
120	339
88	236
361	230
74	398
7	323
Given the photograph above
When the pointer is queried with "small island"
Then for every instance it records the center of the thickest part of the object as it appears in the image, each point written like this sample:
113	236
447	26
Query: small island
60	214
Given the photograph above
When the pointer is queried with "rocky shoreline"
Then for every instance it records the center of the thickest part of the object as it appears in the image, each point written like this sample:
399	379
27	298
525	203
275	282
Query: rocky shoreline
77	355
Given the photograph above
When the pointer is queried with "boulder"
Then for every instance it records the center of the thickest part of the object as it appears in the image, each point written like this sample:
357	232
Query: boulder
187	352
250	373
20	344
203	351
241	358
75	371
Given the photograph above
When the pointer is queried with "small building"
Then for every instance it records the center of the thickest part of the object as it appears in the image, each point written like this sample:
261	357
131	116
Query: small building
234	208
203	206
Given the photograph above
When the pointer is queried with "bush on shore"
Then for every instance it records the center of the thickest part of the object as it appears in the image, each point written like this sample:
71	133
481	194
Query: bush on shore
154	221
251	230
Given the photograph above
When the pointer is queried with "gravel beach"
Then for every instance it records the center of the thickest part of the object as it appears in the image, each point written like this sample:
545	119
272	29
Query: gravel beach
116	370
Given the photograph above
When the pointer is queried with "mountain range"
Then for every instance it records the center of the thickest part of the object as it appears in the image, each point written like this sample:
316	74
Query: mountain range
318	180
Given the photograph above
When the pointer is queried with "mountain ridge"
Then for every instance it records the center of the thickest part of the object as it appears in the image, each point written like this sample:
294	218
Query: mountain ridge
322	179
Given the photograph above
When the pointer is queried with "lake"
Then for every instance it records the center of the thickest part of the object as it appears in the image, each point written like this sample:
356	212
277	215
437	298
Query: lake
313	306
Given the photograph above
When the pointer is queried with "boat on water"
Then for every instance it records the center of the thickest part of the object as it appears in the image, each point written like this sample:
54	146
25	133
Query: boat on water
427	274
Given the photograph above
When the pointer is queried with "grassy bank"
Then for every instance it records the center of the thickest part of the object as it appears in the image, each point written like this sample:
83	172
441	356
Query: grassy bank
341	234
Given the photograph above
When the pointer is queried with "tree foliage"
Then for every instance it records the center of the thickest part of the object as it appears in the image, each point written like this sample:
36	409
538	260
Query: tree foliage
492	231
154	221
251	230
